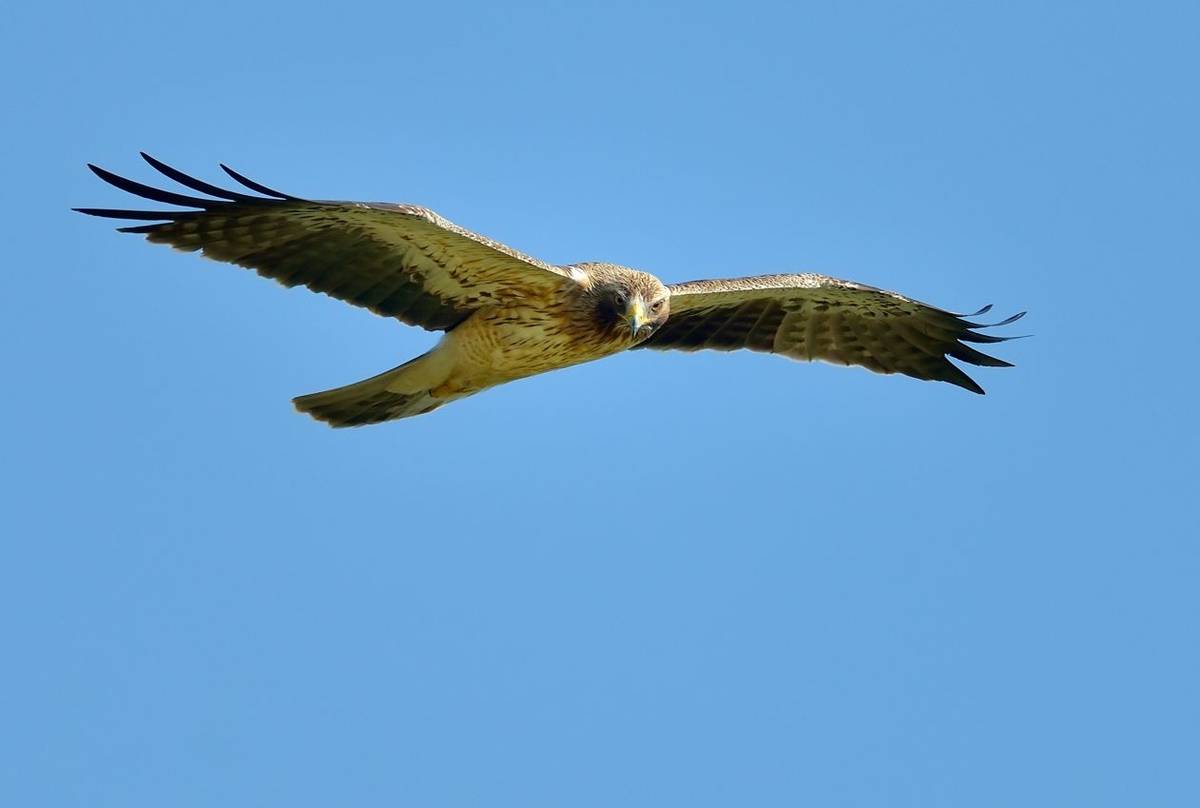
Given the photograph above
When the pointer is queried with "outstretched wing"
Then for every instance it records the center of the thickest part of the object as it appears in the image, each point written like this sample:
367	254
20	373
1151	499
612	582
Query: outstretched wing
399	261
810	316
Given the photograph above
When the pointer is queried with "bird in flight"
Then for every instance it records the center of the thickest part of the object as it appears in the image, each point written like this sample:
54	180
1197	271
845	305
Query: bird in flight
507	315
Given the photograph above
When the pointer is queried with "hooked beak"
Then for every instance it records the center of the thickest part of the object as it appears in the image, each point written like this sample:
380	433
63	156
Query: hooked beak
635	315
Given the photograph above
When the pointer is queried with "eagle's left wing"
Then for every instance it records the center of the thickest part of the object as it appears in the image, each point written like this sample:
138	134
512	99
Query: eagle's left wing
809	316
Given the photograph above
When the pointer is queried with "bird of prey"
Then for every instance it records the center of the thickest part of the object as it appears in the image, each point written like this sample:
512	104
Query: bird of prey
507	315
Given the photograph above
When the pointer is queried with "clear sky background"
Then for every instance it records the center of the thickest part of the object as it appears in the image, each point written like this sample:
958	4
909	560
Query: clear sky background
662	579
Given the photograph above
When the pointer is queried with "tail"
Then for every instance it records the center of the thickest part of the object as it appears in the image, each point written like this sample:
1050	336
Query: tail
398	393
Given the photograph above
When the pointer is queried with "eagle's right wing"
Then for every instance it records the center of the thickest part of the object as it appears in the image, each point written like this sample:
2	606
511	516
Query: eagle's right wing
399	261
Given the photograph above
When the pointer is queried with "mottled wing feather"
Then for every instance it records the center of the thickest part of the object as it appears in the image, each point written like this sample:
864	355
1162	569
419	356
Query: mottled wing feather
808	316
399	261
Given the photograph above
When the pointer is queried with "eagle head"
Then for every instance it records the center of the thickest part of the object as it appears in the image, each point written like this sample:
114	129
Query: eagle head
627	304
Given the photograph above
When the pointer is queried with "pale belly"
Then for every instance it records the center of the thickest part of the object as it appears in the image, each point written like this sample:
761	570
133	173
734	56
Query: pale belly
497	346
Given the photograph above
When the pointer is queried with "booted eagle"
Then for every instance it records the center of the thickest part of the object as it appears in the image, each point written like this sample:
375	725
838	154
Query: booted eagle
507	316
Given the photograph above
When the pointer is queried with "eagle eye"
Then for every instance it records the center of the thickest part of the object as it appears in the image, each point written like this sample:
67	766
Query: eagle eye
656	306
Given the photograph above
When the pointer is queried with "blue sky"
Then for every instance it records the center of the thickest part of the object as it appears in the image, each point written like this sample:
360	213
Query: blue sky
660	579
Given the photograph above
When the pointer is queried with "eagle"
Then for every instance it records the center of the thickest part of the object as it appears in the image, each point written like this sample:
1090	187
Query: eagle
506	315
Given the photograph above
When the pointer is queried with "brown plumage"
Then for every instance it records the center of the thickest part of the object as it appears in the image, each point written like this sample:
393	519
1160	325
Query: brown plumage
507	315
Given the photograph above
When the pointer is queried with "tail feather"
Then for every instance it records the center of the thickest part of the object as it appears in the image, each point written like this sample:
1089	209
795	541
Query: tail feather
398	393
345	407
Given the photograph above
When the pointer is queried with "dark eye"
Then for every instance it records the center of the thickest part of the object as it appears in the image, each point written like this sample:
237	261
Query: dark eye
619	299
656	307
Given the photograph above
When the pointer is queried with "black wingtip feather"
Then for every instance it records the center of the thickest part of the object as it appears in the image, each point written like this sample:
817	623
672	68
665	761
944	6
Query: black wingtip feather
148	215
957	377
141	229
1007	321
971	336
256	186
965	353
147	192
195	184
